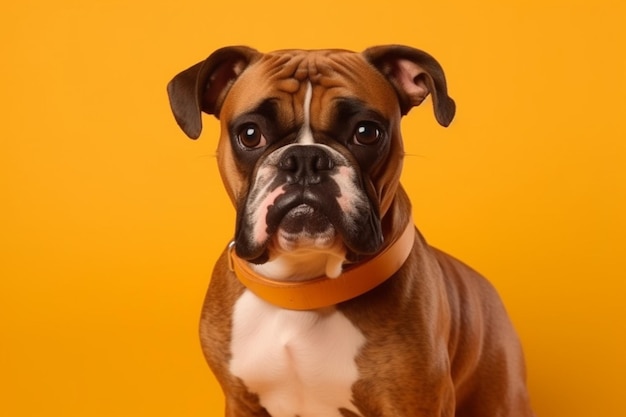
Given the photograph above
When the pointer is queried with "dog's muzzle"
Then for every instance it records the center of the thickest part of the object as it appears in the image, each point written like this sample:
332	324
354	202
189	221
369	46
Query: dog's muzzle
306	197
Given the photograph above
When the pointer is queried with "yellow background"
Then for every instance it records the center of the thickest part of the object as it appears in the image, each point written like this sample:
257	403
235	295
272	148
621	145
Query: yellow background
111	219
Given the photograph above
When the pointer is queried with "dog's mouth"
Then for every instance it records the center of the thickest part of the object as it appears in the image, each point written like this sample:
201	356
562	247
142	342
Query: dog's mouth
310	220
305	227
302	218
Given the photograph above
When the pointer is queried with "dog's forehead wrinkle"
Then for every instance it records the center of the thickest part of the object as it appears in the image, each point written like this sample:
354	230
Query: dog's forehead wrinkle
300	81
289	69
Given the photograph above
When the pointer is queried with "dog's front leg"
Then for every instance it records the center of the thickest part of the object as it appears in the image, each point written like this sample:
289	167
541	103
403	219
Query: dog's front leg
406	395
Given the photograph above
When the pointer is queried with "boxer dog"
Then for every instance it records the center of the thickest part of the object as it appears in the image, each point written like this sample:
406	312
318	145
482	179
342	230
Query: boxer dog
329	302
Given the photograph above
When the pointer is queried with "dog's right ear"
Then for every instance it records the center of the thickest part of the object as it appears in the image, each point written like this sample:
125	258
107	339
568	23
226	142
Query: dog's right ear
203	87
414	74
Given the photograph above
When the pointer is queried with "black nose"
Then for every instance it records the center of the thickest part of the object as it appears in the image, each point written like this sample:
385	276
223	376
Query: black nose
305	164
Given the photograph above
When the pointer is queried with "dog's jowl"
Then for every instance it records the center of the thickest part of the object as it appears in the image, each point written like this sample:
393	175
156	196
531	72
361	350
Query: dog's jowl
329	302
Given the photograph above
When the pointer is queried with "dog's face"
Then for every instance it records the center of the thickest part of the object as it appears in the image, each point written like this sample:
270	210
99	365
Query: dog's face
304	137
310	150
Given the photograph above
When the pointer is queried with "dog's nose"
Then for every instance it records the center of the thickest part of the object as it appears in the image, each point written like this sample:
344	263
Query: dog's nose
305	164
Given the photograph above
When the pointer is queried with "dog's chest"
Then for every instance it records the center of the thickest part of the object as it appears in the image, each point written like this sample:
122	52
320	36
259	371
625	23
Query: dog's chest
298	362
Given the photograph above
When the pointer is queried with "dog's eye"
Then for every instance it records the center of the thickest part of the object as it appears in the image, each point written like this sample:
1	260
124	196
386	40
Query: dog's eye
367	133
250	136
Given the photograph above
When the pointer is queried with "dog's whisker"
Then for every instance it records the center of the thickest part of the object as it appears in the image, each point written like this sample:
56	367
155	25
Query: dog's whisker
413	155
214	155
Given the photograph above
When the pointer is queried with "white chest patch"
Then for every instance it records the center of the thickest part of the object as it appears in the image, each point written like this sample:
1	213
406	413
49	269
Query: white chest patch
299	363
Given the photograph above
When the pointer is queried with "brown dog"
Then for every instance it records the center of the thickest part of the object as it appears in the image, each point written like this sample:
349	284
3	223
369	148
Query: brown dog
329	302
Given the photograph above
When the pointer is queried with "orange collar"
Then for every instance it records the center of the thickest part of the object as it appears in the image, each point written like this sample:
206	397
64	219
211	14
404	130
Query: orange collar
323	291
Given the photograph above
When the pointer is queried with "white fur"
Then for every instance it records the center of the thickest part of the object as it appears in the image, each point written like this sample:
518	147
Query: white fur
306	135
299	363
317	257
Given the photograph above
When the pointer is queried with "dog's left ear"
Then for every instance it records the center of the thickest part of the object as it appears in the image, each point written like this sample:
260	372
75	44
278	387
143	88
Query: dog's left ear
414	74
203	87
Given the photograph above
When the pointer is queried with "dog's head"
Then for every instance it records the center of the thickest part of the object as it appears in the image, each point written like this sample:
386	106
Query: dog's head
310	150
